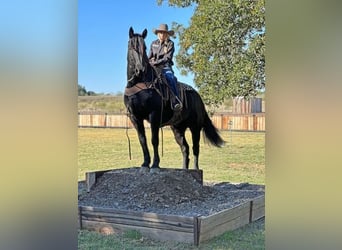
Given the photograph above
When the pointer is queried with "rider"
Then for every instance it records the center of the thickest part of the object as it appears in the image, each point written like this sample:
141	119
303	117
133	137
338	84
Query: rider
161	53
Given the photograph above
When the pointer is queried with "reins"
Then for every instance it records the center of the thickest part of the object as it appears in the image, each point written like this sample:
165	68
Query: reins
128	139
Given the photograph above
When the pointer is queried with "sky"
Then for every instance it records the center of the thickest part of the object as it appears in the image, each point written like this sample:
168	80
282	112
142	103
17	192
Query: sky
103	27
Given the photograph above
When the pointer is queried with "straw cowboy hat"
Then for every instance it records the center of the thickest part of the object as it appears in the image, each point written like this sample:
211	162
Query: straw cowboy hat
163	28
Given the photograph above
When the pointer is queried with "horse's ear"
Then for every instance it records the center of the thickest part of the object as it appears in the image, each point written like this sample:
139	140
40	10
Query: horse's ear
131	32
144	34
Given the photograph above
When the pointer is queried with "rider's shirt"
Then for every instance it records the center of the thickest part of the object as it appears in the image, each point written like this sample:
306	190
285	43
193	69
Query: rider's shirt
162	53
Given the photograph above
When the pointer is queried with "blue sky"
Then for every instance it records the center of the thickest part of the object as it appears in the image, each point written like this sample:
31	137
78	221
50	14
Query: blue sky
103	35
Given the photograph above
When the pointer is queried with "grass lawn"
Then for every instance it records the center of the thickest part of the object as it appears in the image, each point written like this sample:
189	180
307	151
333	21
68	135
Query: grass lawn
241	160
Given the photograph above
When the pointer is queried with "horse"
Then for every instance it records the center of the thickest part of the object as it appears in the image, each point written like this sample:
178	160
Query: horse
147	97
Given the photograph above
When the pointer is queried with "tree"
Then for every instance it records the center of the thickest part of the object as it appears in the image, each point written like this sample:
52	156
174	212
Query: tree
91	93
224	47
82	90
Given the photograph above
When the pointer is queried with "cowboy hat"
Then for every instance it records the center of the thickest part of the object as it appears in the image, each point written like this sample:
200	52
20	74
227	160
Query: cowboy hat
163	28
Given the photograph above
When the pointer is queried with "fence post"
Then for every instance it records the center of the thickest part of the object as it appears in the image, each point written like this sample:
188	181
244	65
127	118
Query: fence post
254	122
230	129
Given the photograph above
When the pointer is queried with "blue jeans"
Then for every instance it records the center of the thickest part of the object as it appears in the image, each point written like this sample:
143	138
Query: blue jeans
170	77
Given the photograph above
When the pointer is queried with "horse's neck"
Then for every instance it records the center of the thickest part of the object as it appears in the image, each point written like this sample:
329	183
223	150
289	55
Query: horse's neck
131	78
131	81
148	77
150	74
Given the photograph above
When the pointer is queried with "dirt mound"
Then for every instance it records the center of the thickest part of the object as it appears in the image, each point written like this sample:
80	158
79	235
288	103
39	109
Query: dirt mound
166	192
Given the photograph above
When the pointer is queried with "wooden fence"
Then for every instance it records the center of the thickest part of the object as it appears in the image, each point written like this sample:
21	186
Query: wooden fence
222	121
243	106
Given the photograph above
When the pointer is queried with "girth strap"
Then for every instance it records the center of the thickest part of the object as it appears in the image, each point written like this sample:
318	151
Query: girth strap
136	88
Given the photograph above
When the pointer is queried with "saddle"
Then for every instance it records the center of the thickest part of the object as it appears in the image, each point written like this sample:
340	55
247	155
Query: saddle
165	93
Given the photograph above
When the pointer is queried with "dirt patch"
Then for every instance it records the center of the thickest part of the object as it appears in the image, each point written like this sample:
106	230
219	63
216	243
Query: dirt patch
166	192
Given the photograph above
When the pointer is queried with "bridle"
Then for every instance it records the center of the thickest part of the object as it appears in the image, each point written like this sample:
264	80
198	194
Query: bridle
136	51
140	73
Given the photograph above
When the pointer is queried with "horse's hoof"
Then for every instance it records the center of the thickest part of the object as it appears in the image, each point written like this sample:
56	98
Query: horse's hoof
144	169
155	170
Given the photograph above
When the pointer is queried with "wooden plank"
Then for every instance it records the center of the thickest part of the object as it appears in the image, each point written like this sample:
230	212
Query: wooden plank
156	234
84	120
91	178
119	120
254	123
225	122
227	220
158	223
216	119
79	218
141	222
245	123
208	222
258	208
219	120
155	216
152	225
262	123
197	228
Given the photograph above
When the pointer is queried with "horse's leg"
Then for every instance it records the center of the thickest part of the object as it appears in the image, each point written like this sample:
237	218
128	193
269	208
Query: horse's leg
179	134
196	135
155	144
139	126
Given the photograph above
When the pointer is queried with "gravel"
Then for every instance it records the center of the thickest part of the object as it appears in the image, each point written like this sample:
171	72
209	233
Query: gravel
165	192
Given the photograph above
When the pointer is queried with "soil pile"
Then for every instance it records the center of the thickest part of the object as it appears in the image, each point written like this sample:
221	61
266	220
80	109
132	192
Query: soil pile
165	192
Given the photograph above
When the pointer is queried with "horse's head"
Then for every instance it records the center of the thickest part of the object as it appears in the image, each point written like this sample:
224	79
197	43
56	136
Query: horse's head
137	61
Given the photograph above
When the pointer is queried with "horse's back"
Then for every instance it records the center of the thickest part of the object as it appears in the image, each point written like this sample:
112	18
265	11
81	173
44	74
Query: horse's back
185	86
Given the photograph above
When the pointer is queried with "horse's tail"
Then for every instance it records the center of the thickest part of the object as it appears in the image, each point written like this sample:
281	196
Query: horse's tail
211	132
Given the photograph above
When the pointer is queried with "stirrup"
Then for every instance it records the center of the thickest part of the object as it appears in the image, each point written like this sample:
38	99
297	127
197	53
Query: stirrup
176	103
177	107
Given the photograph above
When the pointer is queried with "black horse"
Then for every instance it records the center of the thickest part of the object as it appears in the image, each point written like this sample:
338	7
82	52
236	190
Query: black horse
147	97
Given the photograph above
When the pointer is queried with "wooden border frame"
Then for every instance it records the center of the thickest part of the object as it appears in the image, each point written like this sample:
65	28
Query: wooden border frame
163	227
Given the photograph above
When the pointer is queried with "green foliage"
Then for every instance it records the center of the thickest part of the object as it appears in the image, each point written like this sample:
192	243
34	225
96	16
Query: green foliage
224	47
180	3
83	92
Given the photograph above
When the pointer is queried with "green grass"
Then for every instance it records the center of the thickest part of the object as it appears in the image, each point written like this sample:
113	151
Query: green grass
101	103
241	160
